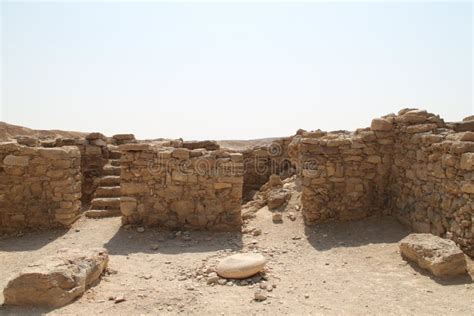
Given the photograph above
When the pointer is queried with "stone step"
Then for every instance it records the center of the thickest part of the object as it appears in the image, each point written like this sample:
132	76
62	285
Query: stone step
115	154
109	181
107	192
102	213
115	162
105	203
110	170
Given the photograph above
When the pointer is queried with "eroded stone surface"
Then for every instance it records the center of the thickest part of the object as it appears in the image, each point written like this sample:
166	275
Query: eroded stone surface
57	280
440	256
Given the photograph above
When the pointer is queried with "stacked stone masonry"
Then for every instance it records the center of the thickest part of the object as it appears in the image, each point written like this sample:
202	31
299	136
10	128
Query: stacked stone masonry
412	165
179	188
344	175
39	187
432	176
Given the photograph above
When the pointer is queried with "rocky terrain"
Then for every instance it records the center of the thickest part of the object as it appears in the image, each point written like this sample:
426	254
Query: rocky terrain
375	221
338	268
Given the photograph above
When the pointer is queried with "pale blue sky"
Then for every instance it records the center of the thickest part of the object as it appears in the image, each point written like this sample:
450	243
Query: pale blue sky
229	70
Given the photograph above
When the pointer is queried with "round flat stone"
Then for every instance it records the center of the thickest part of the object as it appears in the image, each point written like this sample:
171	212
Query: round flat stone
241	266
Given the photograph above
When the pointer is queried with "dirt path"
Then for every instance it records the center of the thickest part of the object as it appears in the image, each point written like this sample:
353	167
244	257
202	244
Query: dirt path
345	268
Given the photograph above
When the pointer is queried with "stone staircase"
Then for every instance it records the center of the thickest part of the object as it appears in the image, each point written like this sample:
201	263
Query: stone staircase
106	199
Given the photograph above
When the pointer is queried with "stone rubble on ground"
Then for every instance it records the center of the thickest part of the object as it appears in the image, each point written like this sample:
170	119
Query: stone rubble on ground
440	256
57	280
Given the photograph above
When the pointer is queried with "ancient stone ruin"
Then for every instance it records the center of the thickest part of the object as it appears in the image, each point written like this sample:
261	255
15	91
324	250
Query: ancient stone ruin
413	166
178	187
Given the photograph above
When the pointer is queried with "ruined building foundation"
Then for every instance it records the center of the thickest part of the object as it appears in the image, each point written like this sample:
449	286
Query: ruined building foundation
412	165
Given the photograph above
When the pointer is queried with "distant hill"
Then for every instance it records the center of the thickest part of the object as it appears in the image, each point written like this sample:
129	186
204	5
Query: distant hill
9	131
244	144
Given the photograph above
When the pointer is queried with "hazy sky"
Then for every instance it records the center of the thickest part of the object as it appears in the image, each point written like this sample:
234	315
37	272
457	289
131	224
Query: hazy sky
229	70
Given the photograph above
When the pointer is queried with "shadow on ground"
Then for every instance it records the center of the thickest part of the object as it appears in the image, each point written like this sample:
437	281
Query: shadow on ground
452	280
156	240
22	310
30	240
372	230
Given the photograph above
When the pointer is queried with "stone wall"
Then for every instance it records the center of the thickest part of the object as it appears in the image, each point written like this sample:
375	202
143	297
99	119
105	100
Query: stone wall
95	154
432	177
39	187
180	188
412	165
344	175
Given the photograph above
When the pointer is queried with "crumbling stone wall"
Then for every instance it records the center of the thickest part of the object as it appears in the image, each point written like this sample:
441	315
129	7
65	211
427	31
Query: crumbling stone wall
181	188
344	175
412	165
432	178
39	187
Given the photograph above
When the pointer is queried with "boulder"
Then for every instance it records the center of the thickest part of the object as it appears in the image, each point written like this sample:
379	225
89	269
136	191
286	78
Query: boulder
241	266
278	198
442	257
57	280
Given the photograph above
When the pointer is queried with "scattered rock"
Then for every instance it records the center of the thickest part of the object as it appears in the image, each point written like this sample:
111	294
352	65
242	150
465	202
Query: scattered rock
212	278
277	218
140	229
259	296
241	266
154	247
57	280
257	232
442	257
291	216
278	198
119	299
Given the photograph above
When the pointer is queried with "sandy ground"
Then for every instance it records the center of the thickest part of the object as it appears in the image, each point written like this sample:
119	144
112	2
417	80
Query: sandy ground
338	268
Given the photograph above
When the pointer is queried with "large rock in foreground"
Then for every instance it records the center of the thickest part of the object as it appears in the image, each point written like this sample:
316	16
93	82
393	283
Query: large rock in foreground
241	266
440	256
57	280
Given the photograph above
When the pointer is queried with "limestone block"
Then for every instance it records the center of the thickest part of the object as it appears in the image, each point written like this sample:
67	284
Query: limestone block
57	280
133	188
381	124
21	161
181	153
468	187
128	205
440	256
467	161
